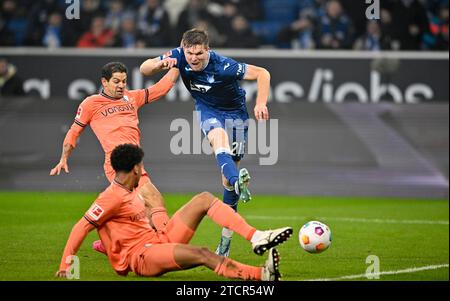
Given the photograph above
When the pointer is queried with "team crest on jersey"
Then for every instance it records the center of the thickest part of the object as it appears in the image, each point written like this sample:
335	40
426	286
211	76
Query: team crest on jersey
96	212
80	110
210	78
200	88
126	98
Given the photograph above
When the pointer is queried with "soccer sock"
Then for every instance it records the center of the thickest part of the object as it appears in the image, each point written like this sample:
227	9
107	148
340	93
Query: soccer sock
233	269
159	217
227	233
227	166
224	216
230	198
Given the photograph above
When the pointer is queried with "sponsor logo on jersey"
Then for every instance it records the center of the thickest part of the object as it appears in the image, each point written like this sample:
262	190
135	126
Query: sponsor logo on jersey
115	109
96	212
200	88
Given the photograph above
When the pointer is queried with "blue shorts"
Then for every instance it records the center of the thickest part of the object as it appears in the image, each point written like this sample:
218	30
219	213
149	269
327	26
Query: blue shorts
234	122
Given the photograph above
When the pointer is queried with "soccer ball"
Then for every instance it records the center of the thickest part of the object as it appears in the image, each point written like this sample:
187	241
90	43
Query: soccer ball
315	237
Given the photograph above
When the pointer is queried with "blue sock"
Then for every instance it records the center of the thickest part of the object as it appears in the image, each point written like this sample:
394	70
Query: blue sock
230	198
227	167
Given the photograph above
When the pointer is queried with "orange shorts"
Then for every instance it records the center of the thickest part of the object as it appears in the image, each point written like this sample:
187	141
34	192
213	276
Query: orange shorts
158	258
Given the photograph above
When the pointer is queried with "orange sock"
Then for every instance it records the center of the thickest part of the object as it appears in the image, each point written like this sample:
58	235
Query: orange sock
225	216
159	217
233	269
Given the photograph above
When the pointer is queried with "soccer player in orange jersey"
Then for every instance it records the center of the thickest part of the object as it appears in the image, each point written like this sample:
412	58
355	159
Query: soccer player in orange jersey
132	245
112	115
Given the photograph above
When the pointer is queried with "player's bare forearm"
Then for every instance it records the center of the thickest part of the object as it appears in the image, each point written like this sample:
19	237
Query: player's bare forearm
148	67
155	65
66	152
62	164
262	77
173	75
76	238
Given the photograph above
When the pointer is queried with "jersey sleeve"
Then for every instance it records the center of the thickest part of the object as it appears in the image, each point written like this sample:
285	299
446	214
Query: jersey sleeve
104	207
141	96
233	69
174	53
84	113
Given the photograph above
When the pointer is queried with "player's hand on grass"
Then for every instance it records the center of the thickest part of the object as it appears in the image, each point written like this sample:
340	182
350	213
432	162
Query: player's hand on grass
61	274
167	63
261	112
57	169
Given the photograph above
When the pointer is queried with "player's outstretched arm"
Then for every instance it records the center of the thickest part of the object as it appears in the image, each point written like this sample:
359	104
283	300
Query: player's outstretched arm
69	144
76	238
155	65
262	77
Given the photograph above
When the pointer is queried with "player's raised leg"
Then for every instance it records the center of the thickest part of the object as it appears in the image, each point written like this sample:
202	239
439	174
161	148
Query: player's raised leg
205	204
231	198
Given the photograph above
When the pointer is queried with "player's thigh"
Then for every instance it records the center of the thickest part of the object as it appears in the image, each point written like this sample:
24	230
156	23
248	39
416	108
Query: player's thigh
155	260
218	138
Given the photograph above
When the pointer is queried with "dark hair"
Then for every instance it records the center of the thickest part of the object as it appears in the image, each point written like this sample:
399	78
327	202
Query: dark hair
113	67
125	156
194	37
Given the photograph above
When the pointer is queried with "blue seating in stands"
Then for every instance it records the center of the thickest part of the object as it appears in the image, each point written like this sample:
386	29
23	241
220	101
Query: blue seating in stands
281	10
267	30
19	28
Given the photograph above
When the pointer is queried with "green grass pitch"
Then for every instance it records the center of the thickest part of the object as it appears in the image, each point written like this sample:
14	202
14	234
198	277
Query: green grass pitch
405	234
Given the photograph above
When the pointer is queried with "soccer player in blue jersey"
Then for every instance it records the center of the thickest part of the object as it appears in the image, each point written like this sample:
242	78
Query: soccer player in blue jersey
213	81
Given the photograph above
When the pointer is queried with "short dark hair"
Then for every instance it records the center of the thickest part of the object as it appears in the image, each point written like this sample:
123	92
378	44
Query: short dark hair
113	67
125	156
194	37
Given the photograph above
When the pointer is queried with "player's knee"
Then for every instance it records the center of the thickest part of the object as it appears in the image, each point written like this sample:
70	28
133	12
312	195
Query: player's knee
226	184
205	196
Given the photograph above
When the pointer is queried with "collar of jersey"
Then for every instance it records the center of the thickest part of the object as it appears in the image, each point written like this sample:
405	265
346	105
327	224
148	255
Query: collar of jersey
107	96
121	186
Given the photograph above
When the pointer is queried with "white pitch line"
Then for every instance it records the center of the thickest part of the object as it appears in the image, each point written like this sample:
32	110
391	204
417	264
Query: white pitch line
351	219
405	271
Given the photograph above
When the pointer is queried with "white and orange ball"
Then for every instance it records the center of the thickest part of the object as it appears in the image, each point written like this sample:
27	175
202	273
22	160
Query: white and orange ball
315	237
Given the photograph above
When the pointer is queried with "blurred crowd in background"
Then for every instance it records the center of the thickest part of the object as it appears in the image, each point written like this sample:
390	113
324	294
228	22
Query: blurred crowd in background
295	24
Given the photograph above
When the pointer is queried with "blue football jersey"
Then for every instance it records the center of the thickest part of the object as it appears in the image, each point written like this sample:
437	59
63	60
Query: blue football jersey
217	85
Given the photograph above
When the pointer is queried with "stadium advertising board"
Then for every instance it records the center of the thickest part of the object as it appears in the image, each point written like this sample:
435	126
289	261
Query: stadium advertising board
321	77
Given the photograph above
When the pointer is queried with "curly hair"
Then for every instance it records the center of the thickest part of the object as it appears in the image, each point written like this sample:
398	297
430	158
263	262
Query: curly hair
125	156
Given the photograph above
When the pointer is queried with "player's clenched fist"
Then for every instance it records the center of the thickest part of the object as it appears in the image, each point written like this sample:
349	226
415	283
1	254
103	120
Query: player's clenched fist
167	63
